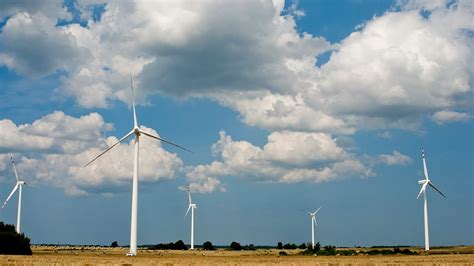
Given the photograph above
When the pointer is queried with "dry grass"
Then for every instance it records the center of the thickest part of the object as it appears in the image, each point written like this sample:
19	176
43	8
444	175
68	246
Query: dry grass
109	256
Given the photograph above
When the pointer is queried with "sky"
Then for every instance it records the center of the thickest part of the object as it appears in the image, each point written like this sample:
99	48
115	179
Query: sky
286	105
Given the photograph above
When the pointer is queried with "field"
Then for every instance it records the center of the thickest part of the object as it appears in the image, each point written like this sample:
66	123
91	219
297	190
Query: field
97	256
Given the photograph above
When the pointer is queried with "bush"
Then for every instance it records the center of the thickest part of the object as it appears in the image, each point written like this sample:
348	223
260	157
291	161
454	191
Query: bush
302	246
282	253
208	246
114	244
12	243
407	252
179	245
235	246
249	247
289	246
280	245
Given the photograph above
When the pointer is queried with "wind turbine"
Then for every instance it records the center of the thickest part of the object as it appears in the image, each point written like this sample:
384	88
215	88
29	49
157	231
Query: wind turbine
19	186
137	132
191	207
426	182
313	223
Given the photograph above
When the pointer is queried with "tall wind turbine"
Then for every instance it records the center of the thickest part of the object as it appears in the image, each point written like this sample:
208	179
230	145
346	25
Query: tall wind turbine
426	182
313	223
191	207
19	186
137	132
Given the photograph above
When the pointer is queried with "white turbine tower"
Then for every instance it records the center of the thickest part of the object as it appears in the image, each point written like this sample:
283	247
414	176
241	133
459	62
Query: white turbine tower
426	182
137	132
313	223
19	186
191	207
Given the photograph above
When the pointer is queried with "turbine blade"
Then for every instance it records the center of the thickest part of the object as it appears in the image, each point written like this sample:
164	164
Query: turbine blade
425	169
28	184
318	209
314	221
133	103
102	153
305	211
423	188
9	196
189	196
187	210
14	167
431	185
169	142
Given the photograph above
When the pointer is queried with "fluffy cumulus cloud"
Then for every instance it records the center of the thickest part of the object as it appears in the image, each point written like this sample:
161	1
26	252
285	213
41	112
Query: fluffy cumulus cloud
395	159
411	63
443	117
54	49
401	66
55	148
394	71
287	157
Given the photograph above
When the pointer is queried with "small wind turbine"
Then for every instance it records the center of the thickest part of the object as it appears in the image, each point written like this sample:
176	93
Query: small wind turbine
426	182
137	131
313	223
19	186
191	207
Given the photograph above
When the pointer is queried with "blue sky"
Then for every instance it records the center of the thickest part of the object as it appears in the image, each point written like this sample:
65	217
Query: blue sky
286	106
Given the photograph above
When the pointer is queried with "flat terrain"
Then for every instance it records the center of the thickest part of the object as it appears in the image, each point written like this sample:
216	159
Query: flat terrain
106	256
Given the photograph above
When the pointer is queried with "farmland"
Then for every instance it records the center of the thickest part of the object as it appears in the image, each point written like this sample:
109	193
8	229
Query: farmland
43	255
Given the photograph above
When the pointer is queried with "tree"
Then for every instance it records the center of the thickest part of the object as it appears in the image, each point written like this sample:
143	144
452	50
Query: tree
114	244
208	246
317	247
179	245
280	245
235	246
12	243
302	246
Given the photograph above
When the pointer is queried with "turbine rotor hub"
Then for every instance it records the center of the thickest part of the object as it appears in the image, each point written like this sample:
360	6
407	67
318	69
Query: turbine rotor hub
136	131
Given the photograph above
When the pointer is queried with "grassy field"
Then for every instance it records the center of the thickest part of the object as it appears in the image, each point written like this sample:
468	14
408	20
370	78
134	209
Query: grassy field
105	256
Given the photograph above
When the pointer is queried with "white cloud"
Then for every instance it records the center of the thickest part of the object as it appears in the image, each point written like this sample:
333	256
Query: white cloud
54	149
55	132
288	157
394	71
395	159
444	117
34	46
52	8
399	67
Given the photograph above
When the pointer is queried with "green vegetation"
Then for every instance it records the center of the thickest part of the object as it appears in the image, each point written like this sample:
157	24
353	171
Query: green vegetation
332	251
208	246
114	244
12	243
249	247
179	245
235	246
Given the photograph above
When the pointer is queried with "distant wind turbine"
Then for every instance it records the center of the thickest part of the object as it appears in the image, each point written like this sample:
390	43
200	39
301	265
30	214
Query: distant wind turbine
19	186
426	182
191	207
313	223
137	131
